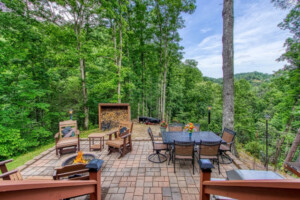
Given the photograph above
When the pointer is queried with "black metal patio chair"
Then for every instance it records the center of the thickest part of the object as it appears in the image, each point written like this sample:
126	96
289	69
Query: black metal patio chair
157	157
210	150
184	151
228	137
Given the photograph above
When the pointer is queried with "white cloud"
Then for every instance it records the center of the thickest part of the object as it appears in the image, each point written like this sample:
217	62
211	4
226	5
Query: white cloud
205	30
258	42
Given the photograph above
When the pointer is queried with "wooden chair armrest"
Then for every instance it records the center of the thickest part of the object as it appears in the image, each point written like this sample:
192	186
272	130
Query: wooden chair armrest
77	132
6	174
112	132
125	136
5	161
56	136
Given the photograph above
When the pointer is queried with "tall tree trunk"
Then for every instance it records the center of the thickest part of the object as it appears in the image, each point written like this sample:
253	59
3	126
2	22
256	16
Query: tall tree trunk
228	80
294	147
161	108
120	59
78	26
228	69
113	28
84	92
138	111
165	78
143	72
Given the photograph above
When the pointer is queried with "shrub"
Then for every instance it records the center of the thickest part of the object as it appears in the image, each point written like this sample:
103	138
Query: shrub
254	148
11	142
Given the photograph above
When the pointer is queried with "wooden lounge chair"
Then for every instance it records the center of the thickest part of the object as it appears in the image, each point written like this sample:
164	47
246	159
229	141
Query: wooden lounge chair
122	139
67	139
15	175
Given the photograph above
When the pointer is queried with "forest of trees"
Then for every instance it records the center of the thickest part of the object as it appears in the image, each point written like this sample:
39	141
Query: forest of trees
74	54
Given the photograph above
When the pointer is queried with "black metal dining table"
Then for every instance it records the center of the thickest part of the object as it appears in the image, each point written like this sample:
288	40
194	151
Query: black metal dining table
202	136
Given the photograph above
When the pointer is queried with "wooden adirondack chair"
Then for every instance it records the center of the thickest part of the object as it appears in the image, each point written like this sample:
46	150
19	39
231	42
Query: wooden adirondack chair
67	139
15	175
122	141
12	185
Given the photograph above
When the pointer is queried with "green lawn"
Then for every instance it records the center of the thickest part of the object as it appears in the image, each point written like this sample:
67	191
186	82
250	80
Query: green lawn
84	134
22	159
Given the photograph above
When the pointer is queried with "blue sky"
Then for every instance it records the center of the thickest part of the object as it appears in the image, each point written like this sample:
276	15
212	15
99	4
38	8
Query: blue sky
258	42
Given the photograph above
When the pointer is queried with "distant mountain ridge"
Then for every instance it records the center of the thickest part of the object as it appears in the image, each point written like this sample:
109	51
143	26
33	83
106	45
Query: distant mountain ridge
253	77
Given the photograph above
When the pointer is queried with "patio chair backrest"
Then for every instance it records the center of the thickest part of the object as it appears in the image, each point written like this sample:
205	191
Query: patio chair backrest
127	124
151	136
209	148
176	127
68	126
184	148
228	135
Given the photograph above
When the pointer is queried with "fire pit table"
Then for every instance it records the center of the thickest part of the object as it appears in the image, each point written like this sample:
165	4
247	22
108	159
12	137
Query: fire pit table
71	169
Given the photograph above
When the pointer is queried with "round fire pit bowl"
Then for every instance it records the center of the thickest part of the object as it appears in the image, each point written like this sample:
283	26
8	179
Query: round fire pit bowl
68	160
65	169
86	156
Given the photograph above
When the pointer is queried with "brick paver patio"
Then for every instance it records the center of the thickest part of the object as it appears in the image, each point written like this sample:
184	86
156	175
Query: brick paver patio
133	176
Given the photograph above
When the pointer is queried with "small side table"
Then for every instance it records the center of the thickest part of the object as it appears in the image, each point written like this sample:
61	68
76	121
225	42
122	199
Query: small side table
92	138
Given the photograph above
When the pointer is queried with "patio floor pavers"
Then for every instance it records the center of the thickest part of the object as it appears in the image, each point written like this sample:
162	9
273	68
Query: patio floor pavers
133	176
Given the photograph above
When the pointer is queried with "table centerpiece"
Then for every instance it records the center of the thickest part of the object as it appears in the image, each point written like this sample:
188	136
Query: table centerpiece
189	128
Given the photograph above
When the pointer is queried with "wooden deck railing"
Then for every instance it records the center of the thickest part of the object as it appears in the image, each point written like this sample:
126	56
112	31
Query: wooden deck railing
37	190
283	189
54	189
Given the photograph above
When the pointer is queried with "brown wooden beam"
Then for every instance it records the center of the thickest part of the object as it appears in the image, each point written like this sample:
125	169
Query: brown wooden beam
53	193
294	171
280	183
113	104
34	190
32	184
250	193
97	177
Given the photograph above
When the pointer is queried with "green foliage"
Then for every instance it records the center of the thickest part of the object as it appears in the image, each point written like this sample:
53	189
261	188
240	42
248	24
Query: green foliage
41	78
254	148
255	78
11	142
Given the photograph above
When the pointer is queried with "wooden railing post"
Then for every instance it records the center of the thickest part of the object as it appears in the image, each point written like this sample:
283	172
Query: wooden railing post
205	174
94	167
